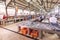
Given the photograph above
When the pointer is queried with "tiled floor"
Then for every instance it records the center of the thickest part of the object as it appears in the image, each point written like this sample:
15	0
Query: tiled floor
8	35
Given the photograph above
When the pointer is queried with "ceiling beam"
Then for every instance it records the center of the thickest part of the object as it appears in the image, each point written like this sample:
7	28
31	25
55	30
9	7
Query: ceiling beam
51	3
57	1
42	2
35	4
47	3
39	3
8	2
26	7
20	2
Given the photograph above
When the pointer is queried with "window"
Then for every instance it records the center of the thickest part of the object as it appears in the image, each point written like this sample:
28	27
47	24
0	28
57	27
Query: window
2	8
11	11
32	12
20	11
26	12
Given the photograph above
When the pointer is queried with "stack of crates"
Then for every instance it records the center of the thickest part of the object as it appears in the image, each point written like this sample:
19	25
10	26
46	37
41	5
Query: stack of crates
31	32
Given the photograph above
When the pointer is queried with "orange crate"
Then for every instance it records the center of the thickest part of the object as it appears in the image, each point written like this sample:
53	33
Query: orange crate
34	33
24	31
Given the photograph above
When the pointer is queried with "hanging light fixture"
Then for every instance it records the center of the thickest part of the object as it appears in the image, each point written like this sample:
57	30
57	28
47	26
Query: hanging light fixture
28	0
34	0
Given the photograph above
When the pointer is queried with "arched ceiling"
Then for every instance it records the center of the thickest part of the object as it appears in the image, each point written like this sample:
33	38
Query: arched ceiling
34	4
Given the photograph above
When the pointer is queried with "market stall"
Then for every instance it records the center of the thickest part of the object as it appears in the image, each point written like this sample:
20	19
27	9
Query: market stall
38	27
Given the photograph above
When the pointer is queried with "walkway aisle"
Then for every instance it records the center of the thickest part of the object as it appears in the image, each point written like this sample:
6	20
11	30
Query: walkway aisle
8	35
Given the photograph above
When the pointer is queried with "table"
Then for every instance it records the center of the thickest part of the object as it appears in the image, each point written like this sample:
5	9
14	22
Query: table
38	26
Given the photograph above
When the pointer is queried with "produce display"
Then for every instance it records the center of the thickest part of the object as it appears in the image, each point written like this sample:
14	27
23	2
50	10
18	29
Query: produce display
30	24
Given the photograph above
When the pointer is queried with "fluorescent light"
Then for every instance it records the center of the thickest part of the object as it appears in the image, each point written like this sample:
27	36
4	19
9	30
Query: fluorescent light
34	0
28	0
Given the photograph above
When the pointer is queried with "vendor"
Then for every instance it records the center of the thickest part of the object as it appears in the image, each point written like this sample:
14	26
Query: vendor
42	18
53	21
